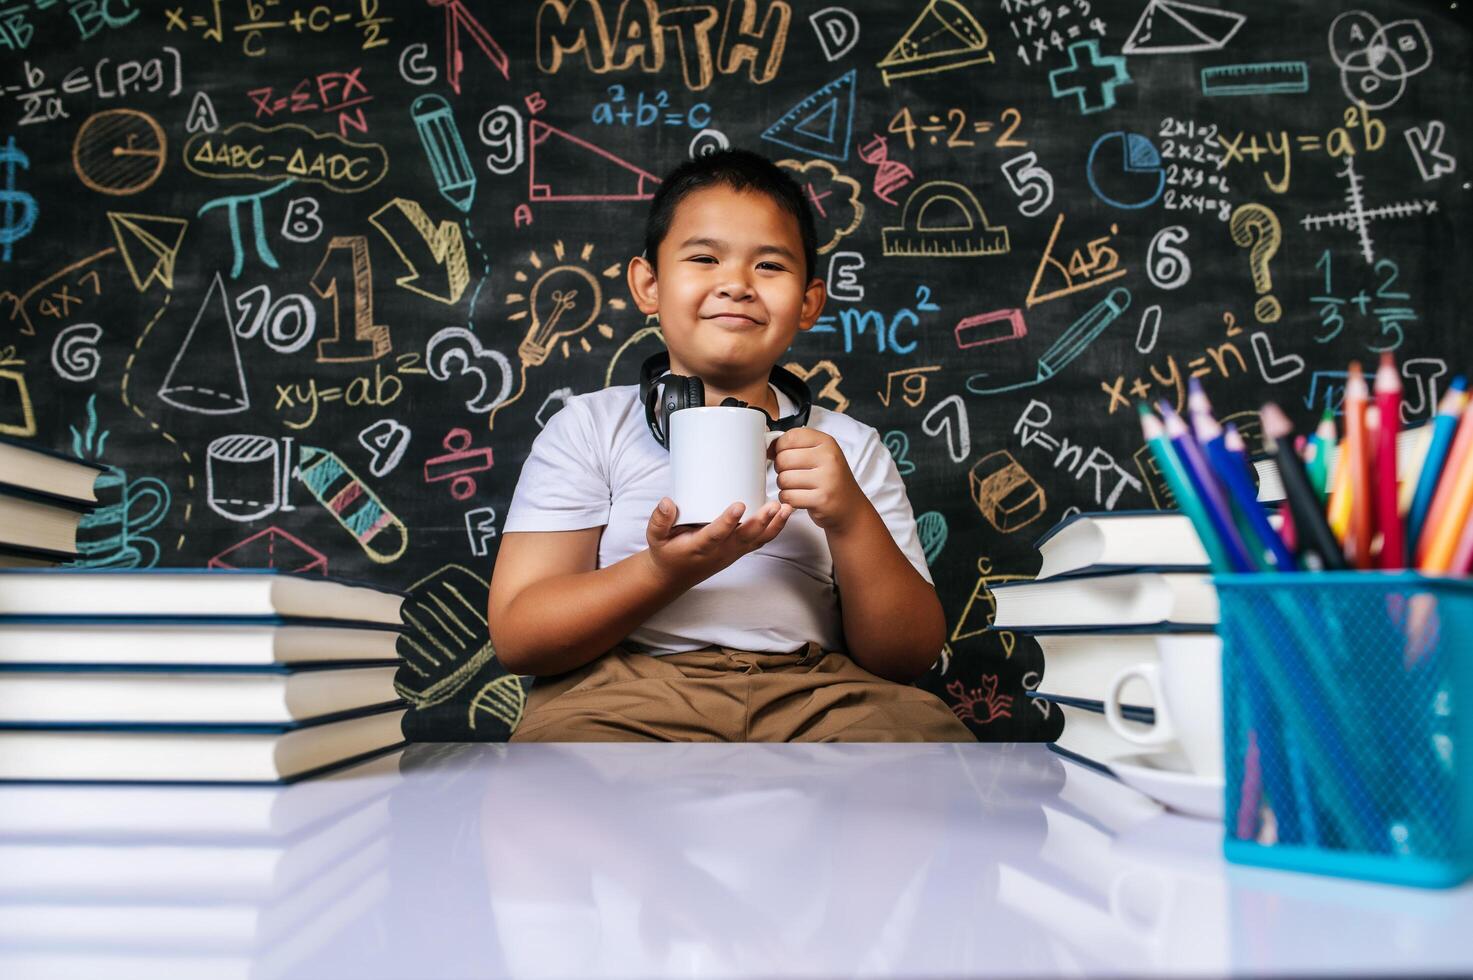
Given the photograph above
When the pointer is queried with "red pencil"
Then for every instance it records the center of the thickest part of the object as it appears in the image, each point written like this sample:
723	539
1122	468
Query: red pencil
1388	517
1357	458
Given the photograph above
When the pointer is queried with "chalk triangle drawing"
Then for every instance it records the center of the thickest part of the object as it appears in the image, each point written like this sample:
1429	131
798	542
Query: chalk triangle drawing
820	124
1173	27
156	236
943	36
583	171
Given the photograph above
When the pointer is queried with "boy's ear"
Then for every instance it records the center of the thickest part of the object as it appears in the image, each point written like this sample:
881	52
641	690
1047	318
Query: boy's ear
813	299
643	286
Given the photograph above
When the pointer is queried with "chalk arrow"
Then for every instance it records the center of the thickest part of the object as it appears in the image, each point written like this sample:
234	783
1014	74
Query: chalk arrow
404	220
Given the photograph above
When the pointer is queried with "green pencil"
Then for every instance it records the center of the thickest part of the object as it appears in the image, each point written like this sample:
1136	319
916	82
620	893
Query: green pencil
1317	458
1176	479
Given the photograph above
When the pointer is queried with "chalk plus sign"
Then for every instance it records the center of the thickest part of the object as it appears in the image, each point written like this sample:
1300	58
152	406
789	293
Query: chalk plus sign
1099	75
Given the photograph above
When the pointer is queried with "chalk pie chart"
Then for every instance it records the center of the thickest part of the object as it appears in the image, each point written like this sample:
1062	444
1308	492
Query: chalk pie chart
1125	171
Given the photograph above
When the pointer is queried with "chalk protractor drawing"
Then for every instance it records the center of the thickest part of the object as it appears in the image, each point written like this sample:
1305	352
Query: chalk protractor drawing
820	124
943	37
586	172
1172	27
944	219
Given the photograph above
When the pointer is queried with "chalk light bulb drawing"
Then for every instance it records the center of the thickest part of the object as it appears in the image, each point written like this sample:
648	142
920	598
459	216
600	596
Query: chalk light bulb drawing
563	304
565	299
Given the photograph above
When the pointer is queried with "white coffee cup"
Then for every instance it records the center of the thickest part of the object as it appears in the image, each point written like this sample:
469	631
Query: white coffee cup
1187	685
718	456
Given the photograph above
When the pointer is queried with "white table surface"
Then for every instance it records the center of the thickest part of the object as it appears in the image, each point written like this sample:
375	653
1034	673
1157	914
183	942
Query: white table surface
677	860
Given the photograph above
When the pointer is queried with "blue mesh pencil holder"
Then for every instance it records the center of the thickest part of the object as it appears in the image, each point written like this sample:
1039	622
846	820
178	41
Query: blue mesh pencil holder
1348	723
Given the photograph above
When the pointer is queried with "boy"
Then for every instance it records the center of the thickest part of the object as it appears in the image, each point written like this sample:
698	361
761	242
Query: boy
639	628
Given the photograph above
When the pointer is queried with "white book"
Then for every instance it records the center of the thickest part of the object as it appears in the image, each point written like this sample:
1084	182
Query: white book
1089	735
1098	601
1119	540
72	696
30	467
256	754
122	812
30	521
257	593
163	642
1082	665
249	870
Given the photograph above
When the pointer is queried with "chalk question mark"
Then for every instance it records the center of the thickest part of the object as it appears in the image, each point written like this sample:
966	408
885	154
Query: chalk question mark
1256	228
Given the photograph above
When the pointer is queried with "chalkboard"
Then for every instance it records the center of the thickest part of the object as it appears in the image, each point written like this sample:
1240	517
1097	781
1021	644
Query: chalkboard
299	272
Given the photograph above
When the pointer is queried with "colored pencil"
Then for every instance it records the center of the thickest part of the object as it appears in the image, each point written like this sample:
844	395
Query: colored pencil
1318	549
1317	455
1462	446
1462	561
1444	424
1446	533
1214	502
1181	488
1357	459
1342	493
1388	517
1222	452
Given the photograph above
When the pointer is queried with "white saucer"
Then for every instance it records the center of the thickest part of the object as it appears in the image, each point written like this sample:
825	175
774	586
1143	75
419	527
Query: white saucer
1184	792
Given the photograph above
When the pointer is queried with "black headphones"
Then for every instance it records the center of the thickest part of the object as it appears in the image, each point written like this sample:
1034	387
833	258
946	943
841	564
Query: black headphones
676	392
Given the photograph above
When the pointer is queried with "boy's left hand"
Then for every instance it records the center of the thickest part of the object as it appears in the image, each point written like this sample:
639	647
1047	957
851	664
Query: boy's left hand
813	475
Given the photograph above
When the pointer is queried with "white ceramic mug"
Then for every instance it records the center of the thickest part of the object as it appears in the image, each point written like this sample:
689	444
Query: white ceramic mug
718	456
1187	685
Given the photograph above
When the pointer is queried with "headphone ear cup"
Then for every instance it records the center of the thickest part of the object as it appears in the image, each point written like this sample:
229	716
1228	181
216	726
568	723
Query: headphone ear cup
695	393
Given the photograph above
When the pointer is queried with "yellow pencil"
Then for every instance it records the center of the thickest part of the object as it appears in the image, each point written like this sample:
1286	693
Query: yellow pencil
1342	490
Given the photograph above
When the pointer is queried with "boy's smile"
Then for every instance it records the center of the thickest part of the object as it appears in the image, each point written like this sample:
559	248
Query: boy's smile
731	291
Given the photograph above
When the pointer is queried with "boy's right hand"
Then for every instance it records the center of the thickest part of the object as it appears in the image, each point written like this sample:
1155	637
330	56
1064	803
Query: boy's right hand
691	554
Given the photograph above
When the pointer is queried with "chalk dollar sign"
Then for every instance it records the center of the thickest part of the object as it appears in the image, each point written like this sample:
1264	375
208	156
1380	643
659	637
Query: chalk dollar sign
14	227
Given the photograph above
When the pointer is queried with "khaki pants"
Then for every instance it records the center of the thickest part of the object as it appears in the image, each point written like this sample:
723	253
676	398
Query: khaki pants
724	695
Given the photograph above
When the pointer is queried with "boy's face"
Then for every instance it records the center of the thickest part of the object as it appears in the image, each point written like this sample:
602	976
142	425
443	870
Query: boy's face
731	290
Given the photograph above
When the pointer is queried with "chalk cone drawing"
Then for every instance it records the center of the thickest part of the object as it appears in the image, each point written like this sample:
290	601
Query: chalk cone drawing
821	123
585	172
943	36
1173	27
206	375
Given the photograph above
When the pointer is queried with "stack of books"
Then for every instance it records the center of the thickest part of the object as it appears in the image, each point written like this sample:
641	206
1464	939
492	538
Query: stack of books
43	498
193	675
1113	590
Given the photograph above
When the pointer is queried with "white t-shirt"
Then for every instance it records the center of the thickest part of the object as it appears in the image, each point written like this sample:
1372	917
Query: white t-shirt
596	464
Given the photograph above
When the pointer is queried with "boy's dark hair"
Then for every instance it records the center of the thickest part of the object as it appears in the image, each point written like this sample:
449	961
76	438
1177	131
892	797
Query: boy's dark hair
741	170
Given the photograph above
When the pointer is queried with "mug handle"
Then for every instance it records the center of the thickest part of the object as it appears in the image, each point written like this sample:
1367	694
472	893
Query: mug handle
1163	731
145	487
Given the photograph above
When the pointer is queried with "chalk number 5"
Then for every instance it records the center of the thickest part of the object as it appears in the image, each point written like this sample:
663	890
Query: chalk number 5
1033	184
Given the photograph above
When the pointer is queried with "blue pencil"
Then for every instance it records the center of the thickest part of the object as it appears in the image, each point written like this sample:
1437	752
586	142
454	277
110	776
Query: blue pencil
1444	424
1207	489
1230	470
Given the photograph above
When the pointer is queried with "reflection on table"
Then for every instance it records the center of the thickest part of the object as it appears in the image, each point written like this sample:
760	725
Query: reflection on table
651	860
